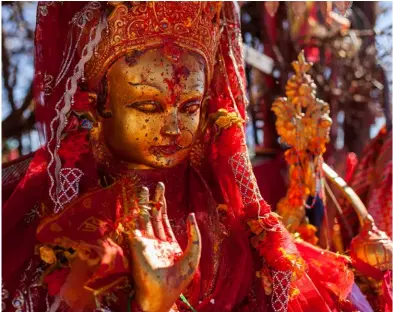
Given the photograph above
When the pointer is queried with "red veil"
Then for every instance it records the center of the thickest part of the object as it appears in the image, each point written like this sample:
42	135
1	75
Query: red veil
249	277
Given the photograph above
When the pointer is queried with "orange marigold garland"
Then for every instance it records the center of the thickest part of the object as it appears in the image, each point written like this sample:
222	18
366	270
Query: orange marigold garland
303	123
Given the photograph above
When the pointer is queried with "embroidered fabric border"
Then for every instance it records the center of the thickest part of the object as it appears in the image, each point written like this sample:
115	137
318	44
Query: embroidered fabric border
80	21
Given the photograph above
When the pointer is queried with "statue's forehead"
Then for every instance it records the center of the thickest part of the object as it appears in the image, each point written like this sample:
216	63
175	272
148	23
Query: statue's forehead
153	67
160	58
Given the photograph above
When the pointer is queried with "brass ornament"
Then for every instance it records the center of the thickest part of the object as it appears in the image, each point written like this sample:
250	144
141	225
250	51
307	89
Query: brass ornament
371	245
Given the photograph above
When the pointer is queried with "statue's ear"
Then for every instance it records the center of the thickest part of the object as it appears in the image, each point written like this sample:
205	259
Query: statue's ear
101	98
92	99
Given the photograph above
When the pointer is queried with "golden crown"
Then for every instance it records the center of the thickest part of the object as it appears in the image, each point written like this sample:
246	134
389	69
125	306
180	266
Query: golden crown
143	25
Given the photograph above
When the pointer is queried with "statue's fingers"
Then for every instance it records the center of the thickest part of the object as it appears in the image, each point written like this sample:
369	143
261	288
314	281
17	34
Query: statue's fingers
189	261
164	214
192	254
159	199
168	228
159	192
143	219
156	213
156	220
143	196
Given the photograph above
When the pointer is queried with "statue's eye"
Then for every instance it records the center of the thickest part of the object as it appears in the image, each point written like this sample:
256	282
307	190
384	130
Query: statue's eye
190	107
147	107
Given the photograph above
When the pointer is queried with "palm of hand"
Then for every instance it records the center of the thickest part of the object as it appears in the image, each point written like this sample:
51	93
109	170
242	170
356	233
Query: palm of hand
160	269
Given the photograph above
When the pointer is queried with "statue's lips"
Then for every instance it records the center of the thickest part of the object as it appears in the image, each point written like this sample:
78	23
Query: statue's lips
166	149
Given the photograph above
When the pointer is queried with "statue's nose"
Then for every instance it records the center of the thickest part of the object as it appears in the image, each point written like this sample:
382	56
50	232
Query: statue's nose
171	126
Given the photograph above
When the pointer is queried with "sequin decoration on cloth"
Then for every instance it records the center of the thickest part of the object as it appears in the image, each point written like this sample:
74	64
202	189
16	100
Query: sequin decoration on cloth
69	179
14	172
244	177
280	296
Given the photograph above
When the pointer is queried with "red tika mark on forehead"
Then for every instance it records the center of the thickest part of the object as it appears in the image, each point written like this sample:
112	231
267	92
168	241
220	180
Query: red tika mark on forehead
181	72
174	85
173	52
174	91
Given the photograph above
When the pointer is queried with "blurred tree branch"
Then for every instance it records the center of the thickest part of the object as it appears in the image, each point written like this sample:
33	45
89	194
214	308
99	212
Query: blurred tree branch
9	78
16	43
16	123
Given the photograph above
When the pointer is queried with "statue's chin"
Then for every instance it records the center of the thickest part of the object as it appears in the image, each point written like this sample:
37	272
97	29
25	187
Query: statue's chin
149	164
161	165
150	161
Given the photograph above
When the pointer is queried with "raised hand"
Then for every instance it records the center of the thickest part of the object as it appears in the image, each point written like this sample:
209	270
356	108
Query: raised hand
160	269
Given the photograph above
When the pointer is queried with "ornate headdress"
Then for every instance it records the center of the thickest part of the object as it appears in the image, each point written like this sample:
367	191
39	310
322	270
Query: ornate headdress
143	25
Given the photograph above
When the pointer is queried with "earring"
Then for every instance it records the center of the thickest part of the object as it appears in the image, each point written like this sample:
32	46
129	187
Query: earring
192	139
100	151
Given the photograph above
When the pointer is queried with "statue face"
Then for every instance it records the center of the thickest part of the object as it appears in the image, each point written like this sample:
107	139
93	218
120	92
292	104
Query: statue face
155	104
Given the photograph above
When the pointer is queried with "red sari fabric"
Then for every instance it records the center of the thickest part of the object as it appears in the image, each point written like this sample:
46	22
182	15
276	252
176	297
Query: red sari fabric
372	182
219	175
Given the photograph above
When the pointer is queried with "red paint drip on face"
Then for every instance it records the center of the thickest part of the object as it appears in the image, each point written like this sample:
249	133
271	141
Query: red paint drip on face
174	85
173	91
173	52
181	72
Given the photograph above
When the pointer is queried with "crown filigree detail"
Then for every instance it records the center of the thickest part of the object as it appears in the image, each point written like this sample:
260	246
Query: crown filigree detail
143	25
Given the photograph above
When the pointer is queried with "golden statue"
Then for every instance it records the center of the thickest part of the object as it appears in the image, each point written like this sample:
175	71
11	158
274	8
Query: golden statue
143	197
